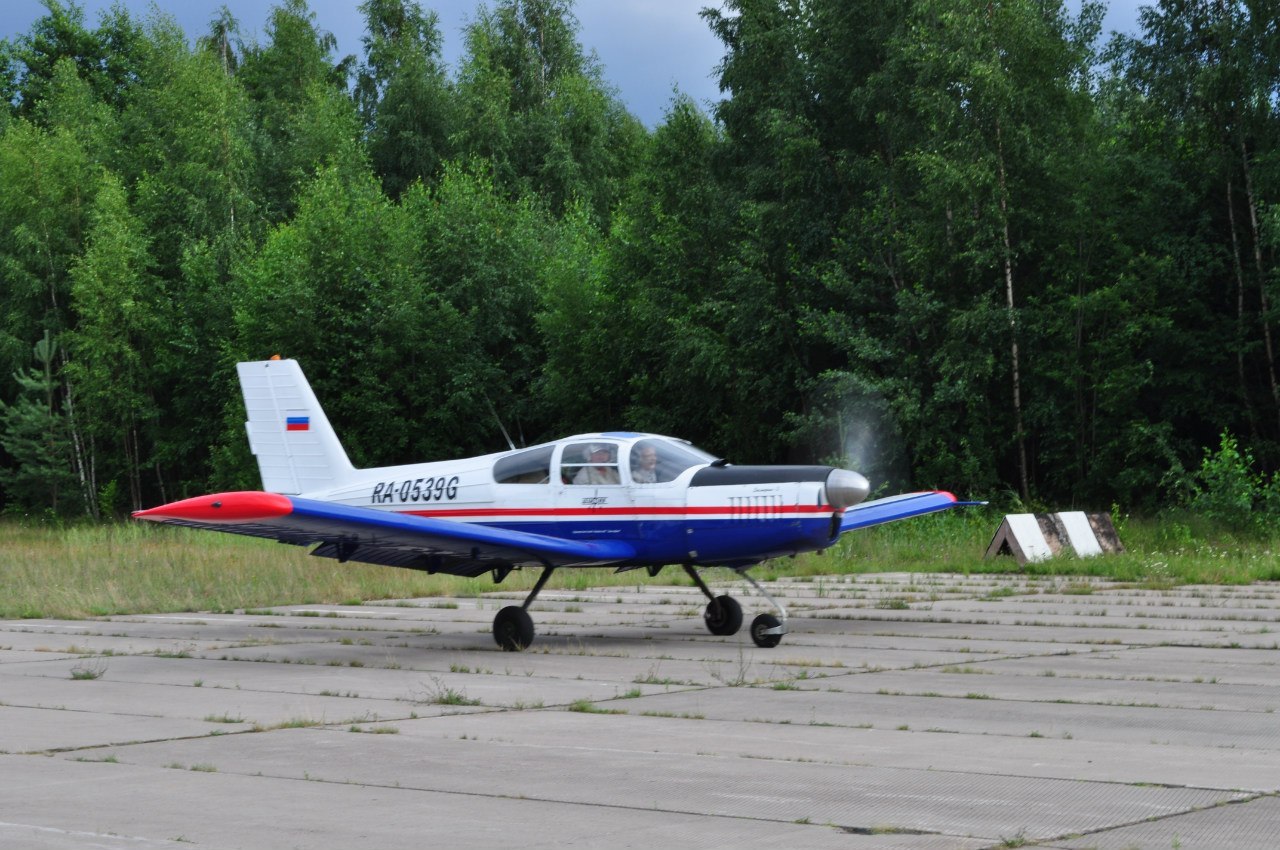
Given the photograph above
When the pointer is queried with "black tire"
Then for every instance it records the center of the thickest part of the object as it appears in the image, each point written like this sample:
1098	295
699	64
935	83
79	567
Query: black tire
760	625
723	616
513	629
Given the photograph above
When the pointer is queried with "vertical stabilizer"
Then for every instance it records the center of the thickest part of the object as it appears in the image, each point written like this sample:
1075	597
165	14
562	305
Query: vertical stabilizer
296	447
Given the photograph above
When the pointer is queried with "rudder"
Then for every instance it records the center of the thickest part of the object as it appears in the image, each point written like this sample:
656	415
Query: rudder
296	447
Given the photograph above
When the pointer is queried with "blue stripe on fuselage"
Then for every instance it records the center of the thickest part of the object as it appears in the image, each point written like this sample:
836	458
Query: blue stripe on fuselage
715	541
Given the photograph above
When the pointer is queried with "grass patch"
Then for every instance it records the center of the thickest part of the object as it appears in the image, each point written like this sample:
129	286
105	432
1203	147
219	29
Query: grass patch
291	723
586	706
439	693
88	671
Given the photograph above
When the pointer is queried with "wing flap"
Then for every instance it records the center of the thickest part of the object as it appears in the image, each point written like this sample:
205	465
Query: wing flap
879	511
382	537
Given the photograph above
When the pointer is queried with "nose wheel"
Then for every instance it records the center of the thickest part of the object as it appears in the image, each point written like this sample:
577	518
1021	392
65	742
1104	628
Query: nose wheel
767	631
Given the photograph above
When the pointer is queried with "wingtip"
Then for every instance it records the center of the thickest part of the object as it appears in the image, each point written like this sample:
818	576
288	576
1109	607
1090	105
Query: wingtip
221	507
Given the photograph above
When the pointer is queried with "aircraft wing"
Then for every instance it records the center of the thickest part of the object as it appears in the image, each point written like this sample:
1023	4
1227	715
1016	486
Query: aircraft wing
380	537
879	511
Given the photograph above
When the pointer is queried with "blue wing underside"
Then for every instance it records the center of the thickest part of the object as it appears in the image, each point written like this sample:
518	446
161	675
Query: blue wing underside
370	536
389	539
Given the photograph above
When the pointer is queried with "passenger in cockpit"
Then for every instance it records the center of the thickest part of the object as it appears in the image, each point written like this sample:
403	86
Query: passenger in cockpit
602	468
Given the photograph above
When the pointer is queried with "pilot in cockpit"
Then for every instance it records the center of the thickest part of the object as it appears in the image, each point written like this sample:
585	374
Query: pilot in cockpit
644	464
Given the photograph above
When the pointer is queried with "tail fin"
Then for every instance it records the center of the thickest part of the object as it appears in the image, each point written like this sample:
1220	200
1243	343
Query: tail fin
296	447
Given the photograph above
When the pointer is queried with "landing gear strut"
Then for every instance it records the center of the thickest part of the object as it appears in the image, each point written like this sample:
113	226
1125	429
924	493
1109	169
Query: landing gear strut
724	615
766	629
513	627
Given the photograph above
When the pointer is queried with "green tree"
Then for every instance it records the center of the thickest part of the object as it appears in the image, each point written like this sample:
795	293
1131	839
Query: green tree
8	82
34	434
536	108
106	58
589	363
480	259
279	78
403	94
71	106
118	304
317	291
190	164
1213	67
194	180
46	188
994	86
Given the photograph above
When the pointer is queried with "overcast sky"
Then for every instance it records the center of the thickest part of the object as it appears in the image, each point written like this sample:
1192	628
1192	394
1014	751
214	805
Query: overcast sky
648	48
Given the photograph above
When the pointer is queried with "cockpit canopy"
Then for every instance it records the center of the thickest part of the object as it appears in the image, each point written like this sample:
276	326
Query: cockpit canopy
602	460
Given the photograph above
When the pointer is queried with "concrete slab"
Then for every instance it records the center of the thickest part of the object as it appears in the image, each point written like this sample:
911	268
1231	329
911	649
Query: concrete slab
43	730
1059	758
904	710
977	716
1193	665
602	773
974	680
1250	825
171	807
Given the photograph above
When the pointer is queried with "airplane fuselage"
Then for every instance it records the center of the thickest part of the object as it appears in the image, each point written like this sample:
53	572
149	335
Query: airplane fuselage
686	507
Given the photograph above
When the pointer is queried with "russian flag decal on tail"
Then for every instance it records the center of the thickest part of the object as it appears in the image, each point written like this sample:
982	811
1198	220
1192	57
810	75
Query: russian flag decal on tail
297	420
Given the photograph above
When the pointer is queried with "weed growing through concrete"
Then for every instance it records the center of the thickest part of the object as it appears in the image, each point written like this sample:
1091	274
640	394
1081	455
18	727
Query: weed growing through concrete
439	693
586	706
89	670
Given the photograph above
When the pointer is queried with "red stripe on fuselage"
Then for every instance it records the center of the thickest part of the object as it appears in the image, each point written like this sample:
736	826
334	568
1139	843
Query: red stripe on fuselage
677	511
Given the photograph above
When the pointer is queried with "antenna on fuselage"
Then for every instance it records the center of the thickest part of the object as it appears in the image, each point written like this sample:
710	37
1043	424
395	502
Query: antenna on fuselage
496	418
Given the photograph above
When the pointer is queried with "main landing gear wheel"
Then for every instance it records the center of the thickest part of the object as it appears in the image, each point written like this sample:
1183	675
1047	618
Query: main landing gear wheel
513	629
766	631
723	616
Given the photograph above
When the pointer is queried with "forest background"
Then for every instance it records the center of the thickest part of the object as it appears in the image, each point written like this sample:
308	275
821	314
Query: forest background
952	243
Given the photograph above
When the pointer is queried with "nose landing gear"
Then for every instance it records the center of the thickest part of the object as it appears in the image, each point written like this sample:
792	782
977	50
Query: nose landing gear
724	614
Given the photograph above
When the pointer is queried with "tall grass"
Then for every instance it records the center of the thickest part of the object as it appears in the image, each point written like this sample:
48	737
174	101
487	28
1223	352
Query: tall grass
96	570
134	568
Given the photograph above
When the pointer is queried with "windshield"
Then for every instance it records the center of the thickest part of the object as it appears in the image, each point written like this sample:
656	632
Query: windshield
656	460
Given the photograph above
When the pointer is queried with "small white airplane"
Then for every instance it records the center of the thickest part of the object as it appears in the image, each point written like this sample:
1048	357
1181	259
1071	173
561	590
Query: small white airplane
618	499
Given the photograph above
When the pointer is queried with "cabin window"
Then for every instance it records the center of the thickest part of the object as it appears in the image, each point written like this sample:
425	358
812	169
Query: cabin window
531	467
594	462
